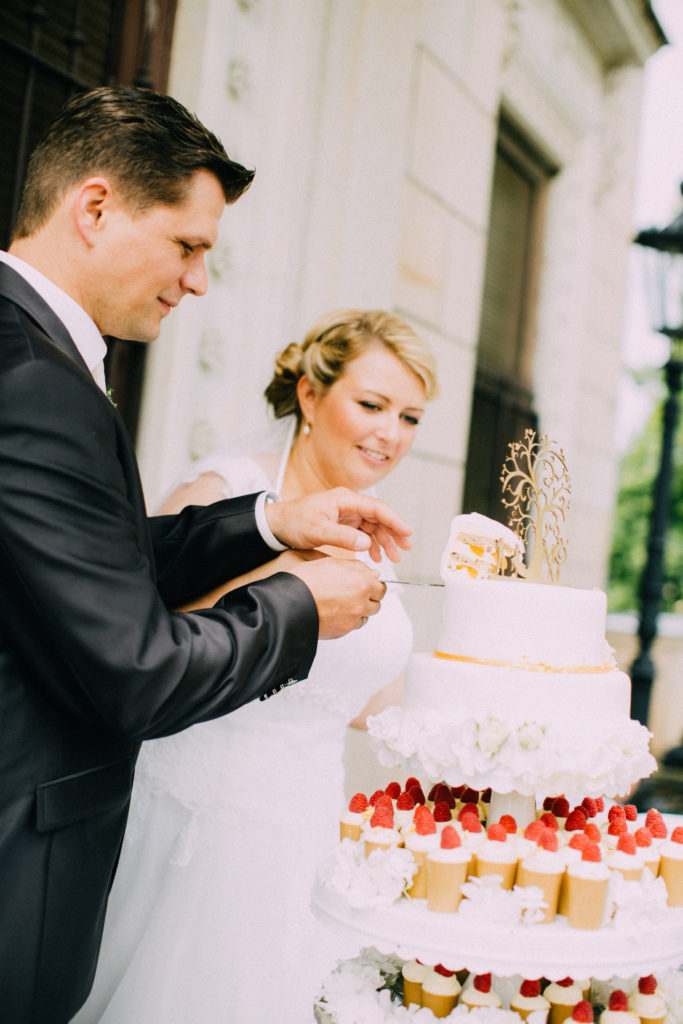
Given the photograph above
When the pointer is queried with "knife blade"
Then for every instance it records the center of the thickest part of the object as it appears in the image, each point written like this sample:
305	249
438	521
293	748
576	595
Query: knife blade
413	583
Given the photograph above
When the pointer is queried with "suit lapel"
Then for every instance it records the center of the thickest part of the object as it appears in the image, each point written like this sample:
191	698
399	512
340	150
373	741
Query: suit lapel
15	288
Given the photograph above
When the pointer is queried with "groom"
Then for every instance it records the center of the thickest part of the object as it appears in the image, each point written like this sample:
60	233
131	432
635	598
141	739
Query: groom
122	200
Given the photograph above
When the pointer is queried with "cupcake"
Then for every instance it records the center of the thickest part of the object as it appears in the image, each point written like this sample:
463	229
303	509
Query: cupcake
587	882
544	867
496	856
446	872
355	816
617	1011
419	841
529	999
671	867
381	835
480	993
440	991
413	972
625	858
647	1002
405	809
562	997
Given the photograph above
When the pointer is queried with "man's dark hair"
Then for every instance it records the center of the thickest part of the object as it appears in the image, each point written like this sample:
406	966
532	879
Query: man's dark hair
147	143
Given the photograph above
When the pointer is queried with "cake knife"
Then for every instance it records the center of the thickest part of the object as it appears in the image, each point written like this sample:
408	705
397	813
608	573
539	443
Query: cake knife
413	583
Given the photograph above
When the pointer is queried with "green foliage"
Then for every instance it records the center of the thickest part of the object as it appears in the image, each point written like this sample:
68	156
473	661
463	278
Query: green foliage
637	479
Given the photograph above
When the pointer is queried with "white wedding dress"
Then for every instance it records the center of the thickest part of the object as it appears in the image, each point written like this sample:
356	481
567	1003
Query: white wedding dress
209	919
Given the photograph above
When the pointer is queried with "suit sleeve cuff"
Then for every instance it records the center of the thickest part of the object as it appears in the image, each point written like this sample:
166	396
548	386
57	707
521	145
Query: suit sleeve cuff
262	523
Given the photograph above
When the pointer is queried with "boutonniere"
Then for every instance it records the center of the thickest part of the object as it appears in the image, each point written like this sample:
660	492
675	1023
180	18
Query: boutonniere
110	396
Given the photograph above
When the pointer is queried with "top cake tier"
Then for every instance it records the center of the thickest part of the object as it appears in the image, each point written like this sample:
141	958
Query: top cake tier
513	622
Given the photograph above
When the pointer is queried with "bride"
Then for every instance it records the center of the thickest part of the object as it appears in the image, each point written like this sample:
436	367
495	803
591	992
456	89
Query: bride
209	918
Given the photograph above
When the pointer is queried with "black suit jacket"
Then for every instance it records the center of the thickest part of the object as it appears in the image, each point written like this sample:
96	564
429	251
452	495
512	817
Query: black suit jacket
91	660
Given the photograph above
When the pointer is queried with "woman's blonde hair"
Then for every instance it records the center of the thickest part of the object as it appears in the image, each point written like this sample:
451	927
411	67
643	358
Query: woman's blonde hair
335	340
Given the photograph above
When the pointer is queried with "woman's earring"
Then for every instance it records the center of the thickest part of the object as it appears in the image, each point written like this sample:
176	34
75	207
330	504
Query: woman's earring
306	429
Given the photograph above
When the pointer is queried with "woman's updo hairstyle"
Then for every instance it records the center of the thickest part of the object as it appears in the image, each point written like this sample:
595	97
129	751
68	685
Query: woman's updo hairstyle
335	340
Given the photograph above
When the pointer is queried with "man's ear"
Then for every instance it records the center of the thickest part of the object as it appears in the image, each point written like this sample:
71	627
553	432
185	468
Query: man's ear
91	207
307	397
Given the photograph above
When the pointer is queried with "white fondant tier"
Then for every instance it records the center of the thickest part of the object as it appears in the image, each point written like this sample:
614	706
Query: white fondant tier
511	620
552	951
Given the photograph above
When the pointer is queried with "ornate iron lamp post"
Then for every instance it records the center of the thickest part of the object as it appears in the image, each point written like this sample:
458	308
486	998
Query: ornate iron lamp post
664	264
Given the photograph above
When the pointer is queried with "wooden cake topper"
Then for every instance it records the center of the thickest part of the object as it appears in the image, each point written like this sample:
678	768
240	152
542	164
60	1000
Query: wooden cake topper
536	488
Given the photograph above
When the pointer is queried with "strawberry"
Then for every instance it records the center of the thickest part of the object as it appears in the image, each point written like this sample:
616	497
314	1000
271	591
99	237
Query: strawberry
482	982
583	1012
358	803
450	840
530	988
618	1000
647	985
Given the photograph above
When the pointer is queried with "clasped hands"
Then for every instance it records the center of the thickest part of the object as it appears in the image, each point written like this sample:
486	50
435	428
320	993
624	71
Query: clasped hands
345	590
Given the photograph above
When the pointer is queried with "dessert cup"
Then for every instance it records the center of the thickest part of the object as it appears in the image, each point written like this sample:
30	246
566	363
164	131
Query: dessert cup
671	870
420	846
413	972
440	993
562	999
446	873
550	882
586	899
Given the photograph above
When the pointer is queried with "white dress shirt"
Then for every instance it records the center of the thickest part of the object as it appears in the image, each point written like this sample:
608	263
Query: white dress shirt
84	333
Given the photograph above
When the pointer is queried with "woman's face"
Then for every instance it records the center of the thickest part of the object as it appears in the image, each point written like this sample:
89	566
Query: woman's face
364	423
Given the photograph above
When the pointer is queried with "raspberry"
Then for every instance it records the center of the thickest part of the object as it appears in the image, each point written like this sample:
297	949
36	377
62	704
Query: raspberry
600	804
592	832
405	802
582	810
575	822
497	833
485	796
417	794
382	818
450	840
482	982
509	824
565	982
631	812
440	792
583	1012
560	807
647	985
470	796
616	811
579	841
467	809
548	840
549	820
677	834
457	791
433	790
375	796
442	811
423	819
626	843
358	803
393	790
618	1000
658	828
530	989
651	815
412	781
534	829
440	969
643	836
548	803
617	827
470	823
590	805
591	851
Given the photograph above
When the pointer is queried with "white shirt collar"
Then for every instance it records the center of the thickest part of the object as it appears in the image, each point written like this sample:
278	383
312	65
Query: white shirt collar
84	333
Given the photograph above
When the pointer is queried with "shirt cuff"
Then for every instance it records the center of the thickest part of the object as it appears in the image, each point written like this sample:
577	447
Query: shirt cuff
262	523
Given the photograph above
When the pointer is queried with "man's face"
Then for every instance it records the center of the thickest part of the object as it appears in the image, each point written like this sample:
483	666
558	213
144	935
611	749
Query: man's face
150	261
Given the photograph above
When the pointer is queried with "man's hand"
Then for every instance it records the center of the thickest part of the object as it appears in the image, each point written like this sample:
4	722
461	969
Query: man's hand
346	591
340	518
